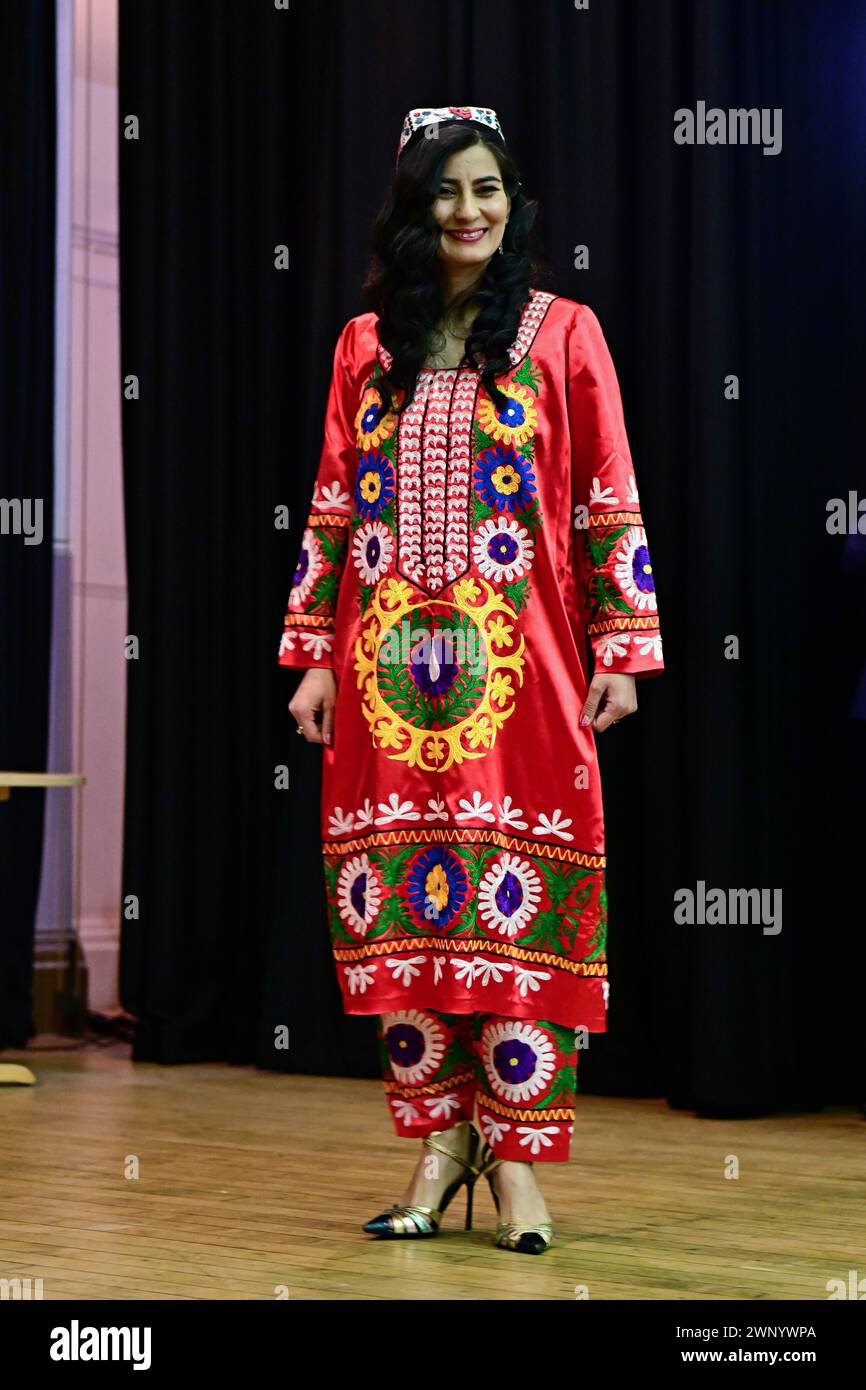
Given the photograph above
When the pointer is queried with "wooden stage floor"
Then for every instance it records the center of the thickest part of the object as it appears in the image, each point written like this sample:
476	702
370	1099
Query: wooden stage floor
251	1182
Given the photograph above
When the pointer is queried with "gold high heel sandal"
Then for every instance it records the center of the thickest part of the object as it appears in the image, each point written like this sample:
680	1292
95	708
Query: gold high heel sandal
527	1240
410	1222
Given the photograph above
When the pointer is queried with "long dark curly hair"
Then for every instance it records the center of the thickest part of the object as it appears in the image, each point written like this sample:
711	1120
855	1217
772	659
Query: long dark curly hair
403	284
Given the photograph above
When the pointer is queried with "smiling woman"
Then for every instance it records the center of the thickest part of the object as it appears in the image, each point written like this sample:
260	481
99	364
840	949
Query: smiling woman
475	490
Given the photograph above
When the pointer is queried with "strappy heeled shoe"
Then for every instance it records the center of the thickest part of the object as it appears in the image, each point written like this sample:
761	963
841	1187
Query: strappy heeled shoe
527	1240
410	1222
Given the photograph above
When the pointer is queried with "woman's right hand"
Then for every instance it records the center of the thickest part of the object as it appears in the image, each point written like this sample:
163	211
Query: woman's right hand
316	694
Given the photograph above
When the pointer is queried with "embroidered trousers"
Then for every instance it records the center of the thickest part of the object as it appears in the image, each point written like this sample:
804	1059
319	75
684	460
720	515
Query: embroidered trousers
521	1073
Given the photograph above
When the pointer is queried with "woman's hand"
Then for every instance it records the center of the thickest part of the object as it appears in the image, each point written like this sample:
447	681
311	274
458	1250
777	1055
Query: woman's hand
610	697
316	693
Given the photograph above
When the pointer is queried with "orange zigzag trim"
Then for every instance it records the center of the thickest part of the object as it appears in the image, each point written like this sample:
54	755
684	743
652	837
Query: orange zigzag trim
541	1116
322	519
612	518
319	620
445	835
635	624
433	1088
403	945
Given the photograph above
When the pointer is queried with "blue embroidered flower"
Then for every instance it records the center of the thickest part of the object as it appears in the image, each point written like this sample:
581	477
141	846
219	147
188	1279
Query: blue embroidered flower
514	1061
504	478
374	486
437	886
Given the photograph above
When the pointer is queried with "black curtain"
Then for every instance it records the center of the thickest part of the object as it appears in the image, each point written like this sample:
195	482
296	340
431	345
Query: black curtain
261	127
27	267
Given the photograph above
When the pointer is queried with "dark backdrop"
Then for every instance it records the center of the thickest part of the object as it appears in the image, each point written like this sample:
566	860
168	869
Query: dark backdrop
27	265
262	127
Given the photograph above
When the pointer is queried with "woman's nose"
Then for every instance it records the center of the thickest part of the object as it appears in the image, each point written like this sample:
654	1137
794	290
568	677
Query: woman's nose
466	204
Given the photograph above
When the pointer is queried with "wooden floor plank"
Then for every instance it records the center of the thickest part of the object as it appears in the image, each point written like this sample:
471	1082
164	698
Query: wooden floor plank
250	1180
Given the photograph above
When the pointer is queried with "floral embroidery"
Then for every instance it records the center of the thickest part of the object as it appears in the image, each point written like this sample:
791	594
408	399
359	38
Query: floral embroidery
515	423
359	894
372	551
504	479
437	886
509	895
373	426
634	570
519	1059
502	550
374	486
415	1044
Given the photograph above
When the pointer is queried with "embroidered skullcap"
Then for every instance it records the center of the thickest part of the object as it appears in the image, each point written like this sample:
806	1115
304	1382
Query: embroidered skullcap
416	121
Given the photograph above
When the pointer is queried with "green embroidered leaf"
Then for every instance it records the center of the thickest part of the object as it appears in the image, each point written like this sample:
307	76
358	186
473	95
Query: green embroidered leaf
365	593
481	511
388	447
605	597
483	440
531	515
332	544
560	882
563	1038
544	931
324	592
600	547
526	375
527	449
518	593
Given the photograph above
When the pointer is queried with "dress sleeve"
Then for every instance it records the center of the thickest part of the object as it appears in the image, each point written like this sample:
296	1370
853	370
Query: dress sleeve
614	576
309	625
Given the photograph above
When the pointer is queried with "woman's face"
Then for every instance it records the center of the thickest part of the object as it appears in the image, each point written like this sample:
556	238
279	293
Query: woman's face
471	207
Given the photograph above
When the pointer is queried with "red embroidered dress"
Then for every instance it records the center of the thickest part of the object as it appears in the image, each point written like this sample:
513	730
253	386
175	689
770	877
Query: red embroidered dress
455	559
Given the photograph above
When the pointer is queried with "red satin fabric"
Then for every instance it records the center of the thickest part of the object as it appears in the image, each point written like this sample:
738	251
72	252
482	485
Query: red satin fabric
462	818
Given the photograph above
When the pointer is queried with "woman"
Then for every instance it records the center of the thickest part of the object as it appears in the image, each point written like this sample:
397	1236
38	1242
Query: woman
475	518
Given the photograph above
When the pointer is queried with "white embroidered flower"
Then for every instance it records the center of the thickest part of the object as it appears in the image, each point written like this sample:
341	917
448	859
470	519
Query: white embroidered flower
372	551
415	1044
332	499
631	495
649	646
602	496
359	894
494	1130
358	977
310	565
476	809
395	809
365	815
537	1139
438	809
487	970
464	969
502	550
554	825
614	644
438	962
605	986
340	823
442	1106
317	643
527	980
634	571
508	815
404	1109
519	1059
508	895
287	642
404	971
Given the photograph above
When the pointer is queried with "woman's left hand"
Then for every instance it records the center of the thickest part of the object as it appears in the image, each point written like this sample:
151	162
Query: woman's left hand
610	697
